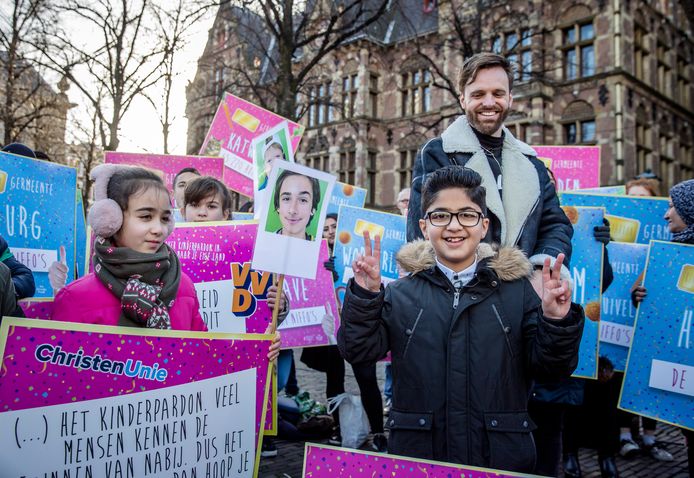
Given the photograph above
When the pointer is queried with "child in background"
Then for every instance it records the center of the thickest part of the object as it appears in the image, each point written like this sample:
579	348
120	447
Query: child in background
180	182
466	331
206	199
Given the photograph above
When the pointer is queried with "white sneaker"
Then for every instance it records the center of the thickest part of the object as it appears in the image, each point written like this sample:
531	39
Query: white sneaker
629	448
657	453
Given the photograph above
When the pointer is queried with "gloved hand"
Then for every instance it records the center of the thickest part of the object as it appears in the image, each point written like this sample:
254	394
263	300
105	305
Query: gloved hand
638	293
602	233
57	272
330	265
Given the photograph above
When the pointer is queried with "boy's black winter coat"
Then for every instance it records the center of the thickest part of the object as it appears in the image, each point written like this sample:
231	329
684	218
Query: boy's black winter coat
461	377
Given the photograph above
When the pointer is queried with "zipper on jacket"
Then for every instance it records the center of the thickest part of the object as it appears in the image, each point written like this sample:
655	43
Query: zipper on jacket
503	329
456	298
411	334
520	233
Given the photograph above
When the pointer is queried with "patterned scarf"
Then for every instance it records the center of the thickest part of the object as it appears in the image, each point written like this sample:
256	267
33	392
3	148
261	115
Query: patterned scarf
146	284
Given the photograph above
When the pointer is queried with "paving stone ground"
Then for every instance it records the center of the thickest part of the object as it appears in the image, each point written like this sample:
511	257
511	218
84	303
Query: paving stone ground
289	462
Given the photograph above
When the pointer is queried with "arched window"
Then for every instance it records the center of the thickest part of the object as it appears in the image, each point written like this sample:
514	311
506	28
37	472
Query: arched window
578	121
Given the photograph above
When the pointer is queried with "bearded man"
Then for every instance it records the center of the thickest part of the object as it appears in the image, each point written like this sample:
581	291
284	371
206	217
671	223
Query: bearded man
522	204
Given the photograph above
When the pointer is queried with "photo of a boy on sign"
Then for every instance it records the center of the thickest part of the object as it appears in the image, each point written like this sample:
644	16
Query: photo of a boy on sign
292	212
269	148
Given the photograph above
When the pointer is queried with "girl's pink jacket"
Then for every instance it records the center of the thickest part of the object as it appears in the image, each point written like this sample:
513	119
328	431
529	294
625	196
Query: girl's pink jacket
88	301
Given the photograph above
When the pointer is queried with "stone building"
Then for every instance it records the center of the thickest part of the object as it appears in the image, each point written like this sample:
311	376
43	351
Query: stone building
39	111
613	73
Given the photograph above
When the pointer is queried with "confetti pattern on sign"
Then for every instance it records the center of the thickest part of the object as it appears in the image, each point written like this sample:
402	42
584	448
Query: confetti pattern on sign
27	383
37	216
322	461
617	316
586	272
234	126
574	167
169	164
663	332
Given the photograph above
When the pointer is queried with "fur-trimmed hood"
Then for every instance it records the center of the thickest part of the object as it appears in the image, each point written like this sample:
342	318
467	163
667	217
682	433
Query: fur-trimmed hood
509	263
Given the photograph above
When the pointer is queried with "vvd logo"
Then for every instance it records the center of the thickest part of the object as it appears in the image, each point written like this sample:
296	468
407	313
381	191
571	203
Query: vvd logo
249	287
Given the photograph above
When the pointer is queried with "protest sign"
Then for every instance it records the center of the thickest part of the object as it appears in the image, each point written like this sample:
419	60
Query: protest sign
291	220
323	461
346	195
349	242
217	258
119	401
618	190
80	238
37	215
169	164
235	125
267	149
574	167
617	314
658	378
313	317
586	272
632	218
37	309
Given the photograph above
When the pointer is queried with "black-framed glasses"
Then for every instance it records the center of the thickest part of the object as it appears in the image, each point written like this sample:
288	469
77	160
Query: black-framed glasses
466	218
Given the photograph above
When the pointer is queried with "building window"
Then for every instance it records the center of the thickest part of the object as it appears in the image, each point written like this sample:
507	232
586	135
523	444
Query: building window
643	140
515	46
347	173
371	179
416	92
407	158
320	109
350	89
640	52
218	83
683	84
373	95
579	52
578	122
663	70
318	161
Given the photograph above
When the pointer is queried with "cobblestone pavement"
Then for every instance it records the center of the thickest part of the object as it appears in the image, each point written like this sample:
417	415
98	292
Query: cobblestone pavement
289	462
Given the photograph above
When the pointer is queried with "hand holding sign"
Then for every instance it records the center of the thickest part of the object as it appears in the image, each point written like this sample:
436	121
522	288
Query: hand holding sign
367	267
556	294
328	324
57	272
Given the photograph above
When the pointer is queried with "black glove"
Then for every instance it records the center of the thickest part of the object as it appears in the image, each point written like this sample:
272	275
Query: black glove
330	265
602	233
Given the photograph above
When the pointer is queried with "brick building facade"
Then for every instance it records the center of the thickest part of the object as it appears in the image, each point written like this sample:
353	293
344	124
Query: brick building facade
612	73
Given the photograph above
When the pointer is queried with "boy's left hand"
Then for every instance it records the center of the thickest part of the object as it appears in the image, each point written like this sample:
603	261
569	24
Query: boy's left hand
556	294
276	344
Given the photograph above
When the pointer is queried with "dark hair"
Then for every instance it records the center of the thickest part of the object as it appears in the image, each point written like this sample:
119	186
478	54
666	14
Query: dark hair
331	215
454	177
246	207
41	155
203	187
129	181
482	61
185	170
315	186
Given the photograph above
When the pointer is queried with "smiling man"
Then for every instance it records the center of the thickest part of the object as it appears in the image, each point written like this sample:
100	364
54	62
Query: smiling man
523	208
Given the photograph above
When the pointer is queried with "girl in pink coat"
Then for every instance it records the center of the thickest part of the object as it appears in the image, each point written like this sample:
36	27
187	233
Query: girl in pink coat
137	279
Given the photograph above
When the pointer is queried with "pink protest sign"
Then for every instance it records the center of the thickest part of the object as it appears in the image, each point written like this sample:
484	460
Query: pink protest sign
313	317
232	297
92	399
169	164
322	461
574	167
236	124
217	257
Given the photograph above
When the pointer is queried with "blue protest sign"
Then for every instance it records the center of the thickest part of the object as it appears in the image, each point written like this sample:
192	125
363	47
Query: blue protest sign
349	242
632	218
617	314
586	272
346	195
81	267
37	216
658	381
621	190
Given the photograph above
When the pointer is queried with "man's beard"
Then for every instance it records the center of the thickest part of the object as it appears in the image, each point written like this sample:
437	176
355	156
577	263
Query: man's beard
486	127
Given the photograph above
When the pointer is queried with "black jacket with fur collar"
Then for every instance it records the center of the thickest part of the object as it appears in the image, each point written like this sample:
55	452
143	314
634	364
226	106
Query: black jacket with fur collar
527	216
461	375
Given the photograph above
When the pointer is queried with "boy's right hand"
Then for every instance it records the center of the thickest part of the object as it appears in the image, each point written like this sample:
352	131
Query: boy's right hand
367	268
